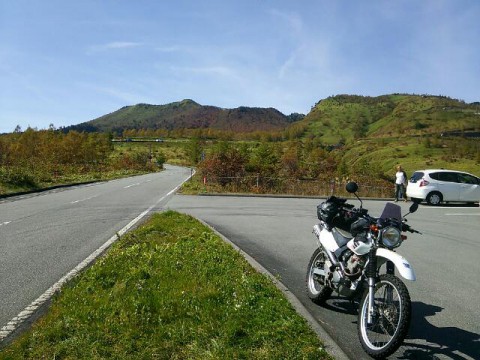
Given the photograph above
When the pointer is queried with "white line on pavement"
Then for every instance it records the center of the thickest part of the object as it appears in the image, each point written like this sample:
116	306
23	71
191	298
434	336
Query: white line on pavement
464	214
86	199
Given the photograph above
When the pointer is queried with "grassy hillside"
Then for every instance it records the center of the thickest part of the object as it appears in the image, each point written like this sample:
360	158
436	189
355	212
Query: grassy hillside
374	134
344	118
379	156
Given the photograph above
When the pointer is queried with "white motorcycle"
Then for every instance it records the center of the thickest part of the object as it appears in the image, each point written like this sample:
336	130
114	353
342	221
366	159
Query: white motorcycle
352	248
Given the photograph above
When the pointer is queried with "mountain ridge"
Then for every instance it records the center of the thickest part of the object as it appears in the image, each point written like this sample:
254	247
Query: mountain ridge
188	114
343	118
336	119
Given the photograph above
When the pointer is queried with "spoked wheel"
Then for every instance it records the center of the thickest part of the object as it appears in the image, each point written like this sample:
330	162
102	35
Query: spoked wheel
317	289
390	320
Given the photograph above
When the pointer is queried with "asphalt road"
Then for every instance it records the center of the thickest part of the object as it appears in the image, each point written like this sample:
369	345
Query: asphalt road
277	232
44	236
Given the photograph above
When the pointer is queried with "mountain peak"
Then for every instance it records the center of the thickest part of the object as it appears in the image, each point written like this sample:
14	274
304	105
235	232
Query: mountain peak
187	114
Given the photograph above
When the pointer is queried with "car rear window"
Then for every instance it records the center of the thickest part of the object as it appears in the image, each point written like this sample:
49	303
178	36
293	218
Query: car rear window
417	175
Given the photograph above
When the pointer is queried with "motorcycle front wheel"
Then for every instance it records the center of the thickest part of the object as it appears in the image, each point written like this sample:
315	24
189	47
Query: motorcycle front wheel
317	289
390	320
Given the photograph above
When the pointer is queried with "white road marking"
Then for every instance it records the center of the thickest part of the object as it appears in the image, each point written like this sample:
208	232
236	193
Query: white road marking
86	199
5	223
464	214
30	309
445	208
129	186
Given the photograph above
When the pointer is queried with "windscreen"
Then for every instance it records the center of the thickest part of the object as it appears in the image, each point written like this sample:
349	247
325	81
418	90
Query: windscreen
392	211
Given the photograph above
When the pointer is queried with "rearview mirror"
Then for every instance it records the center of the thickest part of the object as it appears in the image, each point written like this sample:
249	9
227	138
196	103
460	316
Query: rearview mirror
352	187
413	207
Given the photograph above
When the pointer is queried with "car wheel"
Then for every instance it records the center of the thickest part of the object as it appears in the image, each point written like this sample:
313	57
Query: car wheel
434	198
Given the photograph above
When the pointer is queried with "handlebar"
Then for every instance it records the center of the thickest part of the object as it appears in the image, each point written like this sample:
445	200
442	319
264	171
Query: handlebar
342	202
405	227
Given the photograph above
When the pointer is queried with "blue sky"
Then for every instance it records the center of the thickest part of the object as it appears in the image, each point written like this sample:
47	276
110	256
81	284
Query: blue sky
66	62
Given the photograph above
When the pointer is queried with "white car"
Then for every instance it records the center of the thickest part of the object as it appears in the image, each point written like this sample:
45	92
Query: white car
440	185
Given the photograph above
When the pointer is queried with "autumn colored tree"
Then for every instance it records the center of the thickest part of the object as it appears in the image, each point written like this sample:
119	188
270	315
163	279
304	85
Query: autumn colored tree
290	160
224	164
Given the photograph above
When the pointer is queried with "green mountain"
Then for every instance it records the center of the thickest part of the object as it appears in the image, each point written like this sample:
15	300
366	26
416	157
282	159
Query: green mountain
343	118
187	114
373	134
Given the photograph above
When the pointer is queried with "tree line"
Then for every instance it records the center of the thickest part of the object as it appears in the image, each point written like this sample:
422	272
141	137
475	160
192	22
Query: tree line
34	157
293	131
269	166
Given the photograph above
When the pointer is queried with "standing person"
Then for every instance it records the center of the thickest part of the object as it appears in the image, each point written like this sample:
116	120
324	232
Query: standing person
400	184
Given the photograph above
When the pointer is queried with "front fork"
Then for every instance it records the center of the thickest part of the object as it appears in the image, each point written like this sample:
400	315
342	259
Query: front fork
371	273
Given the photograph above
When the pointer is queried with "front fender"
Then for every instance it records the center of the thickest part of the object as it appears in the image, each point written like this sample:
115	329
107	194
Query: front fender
402	264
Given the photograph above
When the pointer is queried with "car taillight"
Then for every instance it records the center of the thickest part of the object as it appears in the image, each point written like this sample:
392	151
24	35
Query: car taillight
424	183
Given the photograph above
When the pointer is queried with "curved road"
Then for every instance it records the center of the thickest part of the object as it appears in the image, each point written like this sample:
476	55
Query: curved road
44	236
276	232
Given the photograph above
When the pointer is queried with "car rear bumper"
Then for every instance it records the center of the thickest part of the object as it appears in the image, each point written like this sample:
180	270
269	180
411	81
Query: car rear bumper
418	193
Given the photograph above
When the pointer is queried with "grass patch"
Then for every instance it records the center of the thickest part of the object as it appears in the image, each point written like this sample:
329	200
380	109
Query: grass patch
172	289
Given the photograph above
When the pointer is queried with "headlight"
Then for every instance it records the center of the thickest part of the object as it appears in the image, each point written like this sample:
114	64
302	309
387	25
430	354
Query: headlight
391	237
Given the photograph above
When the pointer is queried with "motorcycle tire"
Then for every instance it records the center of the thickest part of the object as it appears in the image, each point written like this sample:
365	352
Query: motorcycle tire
317	291
390	321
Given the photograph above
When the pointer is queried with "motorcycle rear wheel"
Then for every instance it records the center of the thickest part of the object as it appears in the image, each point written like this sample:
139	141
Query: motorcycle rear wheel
317	289
390	321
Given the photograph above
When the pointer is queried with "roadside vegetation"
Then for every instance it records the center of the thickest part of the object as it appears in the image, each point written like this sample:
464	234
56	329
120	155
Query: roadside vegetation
306	167
37	159
171	289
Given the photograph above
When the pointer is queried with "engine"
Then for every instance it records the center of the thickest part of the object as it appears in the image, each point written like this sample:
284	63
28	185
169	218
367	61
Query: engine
354	265
345	282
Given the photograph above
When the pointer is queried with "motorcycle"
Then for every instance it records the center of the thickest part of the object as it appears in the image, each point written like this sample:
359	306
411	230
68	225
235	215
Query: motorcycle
352	249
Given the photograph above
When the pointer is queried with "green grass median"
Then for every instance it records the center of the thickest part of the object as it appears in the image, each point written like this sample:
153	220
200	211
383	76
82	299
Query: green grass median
171	289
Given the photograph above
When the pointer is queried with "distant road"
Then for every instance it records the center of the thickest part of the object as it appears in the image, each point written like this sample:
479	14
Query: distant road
277	232
44	236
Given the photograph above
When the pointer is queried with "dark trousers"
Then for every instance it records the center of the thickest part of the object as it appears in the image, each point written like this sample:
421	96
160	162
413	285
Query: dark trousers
400	192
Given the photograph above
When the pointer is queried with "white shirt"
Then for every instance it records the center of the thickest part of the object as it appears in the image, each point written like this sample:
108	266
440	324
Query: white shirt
400	178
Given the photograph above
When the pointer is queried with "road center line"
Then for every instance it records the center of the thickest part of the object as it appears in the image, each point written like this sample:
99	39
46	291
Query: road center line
128	186
89	198
35	305
5	223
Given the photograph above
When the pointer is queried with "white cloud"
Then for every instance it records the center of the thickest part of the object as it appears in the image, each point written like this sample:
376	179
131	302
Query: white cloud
113	46
170	49
122	45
